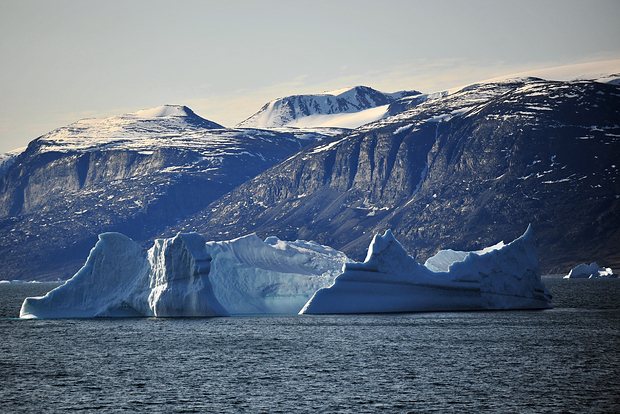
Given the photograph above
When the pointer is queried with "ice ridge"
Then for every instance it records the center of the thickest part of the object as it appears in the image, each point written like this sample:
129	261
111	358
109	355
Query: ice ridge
116	281
390	280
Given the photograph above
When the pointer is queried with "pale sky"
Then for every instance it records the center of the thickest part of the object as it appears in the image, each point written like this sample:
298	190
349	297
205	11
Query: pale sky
61	61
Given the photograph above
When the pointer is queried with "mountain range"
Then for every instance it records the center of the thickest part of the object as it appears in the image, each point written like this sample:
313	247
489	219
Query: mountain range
135	173
460	170
346	108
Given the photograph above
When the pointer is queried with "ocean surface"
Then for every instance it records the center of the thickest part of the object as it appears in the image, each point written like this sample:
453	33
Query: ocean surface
565	359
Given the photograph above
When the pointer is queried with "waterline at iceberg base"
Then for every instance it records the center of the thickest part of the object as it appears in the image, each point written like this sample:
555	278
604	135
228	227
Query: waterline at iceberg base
186	277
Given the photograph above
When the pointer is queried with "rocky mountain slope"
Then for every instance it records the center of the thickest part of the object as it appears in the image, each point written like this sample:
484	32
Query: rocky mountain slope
459	171
136	173
456	170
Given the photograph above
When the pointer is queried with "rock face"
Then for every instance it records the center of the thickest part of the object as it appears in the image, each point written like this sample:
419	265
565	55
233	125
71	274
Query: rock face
446	171
117	281
135	173
452	172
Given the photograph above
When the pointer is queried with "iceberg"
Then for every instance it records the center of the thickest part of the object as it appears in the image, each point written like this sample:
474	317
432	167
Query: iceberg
117	281
186	276
389	280
593	271
250	276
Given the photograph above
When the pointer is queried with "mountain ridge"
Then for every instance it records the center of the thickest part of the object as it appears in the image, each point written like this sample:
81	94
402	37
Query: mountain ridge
497	139
291	110
456	169
134	173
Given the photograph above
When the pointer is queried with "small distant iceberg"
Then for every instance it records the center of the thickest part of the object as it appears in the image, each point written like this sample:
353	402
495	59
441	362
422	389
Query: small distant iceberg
389	280
592	271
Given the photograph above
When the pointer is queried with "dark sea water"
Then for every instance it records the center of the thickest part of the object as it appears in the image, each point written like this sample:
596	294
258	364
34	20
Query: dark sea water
566	359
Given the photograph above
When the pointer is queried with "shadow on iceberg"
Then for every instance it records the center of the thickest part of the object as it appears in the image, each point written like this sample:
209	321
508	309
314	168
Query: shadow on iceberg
254	277
116	281
389	280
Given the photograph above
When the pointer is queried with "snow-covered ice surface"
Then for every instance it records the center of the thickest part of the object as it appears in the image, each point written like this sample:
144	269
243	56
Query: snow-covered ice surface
442	261
592	271
390	280
164	111
116	281
341	120
250	276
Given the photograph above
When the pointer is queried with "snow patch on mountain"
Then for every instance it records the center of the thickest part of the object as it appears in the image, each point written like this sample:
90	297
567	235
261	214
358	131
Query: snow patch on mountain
607	71
169	126
139	129
163	111
460	100
444	105
325	110
7	159
342	120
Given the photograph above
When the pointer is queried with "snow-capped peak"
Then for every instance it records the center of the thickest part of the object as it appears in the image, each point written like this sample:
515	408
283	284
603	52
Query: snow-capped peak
346	108
339	92
163	111
141	128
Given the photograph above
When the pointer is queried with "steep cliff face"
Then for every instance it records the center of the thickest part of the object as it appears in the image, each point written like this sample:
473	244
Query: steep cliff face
546	153
132	174
452	172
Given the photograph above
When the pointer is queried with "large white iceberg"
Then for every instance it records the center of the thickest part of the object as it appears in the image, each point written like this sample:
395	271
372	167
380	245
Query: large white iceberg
592	271
185	276
502	277
116	281
250	276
